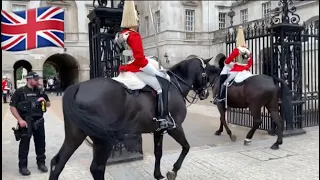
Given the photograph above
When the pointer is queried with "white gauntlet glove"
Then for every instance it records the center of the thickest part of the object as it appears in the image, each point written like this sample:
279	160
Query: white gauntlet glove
149	69
230	65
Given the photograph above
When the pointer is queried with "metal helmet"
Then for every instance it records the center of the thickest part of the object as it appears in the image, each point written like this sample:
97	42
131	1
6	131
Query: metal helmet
240	41
129	15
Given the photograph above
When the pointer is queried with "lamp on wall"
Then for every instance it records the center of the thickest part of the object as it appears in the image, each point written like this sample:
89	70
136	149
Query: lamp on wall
231	14
166	57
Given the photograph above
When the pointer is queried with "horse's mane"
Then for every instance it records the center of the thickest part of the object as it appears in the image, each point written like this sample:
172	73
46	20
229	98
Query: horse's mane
181	67
212	69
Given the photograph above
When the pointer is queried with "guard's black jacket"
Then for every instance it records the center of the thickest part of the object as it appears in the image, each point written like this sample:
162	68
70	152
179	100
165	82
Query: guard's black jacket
25	101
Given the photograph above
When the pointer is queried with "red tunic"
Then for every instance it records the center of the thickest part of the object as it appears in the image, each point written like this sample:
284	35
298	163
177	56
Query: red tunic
4	84
238	68
135	43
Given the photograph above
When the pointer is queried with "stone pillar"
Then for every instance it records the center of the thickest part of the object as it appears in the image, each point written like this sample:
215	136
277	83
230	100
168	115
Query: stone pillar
9	74
84	74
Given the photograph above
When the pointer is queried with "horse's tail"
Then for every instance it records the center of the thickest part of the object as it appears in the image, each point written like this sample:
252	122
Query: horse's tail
286	98
88	122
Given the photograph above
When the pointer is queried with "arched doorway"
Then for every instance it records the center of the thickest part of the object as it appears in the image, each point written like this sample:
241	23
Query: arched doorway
66	67
219	60
18	70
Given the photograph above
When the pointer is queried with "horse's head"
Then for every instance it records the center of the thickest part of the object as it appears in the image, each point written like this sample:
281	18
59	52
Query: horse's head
193	72
213	73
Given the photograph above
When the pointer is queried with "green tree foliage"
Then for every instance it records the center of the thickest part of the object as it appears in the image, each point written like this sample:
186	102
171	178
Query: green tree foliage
48	71
19	73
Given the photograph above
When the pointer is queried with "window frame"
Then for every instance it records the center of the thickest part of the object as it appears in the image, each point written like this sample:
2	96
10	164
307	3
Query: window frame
19	4
266	9
147	26
158	21
192	15
222	22
242	15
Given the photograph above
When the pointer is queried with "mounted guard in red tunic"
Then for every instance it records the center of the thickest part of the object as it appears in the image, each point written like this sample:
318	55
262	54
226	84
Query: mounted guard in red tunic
239	61
137	63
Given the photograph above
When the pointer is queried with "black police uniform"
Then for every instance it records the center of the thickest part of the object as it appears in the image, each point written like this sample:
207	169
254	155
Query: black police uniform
24	94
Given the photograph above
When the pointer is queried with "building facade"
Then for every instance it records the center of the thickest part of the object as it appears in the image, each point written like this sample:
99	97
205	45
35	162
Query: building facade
184	29
187	28
73	67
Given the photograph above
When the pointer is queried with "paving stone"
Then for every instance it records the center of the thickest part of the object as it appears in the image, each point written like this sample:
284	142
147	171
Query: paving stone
297	159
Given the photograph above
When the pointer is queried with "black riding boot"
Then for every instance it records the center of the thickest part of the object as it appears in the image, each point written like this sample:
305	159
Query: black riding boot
220	98
164	117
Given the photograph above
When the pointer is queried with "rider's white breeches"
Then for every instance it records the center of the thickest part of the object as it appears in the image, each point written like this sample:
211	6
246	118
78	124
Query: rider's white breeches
225	70
232	75
150	80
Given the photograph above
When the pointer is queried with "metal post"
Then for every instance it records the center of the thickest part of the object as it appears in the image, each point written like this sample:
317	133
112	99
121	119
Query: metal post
104	62
287	49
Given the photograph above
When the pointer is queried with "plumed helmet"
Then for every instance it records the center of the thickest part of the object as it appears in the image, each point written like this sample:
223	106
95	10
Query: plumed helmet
129	15
240	41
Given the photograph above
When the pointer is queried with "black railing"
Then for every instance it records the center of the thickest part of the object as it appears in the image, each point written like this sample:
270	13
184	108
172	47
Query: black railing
104	62
286	50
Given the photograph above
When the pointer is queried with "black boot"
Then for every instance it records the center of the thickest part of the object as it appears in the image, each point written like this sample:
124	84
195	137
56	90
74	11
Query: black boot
164	117
42	167
24	171
221	96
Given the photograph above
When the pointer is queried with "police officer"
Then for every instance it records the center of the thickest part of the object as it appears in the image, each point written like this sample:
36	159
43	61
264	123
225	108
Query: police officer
27	106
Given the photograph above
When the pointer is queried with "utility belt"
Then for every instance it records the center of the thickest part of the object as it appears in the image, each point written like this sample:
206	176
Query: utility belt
29	111
27	131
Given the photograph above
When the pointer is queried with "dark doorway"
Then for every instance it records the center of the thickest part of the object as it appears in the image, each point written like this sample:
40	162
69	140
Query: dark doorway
18	69
66	67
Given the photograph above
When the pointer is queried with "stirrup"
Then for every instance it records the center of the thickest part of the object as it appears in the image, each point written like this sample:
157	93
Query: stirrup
217	100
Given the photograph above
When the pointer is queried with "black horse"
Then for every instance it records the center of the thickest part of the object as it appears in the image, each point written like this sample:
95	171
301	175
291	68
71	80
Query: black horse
104	110
254	93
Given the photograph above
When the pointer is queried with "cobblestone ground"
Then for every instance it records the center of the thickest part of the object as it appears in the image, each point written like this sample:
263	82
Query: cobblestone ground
297	159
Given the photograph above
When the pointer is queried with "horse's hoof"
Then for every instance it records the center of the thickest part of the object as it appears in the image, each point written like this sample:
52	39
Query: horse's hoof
217	133
233	138
171	175
274	147
247	142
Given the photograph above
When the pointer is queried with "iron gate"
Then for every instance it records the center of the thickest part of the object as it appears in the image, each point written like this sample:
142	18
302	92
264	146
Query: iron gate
282	48
104	62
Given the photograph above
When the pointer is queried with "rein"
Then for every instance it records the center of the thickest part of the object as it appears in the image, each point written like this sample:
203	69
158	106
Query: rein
177	85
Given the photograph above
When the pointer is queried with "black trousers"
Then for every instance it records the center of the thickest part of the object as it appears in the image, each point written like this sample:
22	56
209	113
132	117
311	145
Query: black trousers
39	142
59	92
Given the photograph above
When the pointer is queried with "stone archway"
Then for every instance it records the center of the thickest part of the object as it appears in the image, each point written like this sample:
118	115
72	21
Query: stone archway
67	68
21	63
219	60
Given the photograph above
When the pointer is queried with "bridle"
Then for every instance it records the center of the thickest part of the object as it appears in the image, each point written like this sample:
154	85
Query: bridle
204	83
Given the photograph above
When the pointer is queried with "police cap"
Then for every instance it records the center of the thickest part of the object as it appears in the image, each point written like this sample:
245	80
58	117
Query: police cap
33	75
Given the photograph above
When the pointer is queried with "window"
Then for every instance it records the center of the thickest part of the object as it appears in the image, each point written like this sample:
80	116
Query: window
146	20
266	7
157	21
19	7
189	20
244	15
222	20
316	26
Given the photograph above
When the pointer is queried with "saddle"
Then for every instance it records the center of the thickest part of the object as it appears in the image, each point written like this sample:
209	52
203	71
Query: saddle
240	79
132	83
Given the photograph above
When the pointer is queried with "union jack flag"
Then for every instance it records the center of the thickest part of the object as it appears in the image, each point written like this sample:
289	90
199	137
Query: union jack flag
33	28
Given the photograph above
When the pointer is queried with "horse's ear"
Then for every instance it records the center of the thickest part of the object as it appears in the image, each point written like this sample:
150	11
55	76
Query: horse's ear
206	61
